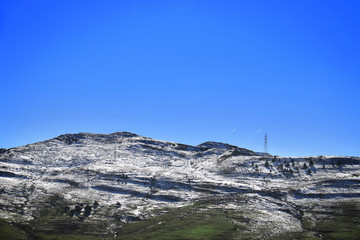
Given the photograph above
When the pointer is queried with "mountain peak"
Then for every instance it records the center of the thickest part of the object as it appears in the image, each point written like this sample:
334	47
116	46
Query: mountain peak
78	137
124	134
219	145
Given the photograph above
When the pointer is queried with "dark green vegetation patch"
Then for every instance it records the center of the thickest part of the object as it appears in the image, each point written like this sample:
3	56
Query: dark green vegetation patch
192	222
202	220
10	232
338	222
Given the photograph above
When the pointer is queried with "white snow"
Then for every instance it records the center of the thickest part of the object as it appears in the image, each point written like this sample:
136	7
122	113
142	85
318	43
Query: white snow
141	174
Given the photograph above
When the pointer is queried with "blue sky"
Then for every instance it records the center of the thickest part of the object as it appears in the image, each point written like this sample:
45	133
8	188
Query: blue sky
184	71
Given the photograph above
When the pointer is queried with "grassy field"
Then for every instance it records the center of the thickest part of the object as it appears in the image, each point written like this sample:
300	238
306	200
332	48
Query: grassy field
341	222
192	222
202	220
11	232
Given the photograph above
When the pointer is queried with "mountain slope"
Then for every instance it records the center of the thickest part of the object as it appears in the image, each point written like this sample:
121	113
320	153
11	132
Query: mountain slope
108	180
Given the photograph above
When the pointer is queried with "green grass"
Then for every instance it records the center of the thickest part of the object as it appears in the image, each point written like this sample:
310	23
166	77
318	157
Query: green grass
51	222
43	236
10	232
202	220
306	235
341	223
192	222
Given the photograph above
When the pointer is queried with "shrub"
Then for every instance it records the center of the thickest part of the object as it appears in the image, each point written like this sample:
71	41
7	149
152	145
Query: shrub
267	164
87	211
77	210
96	205
305	166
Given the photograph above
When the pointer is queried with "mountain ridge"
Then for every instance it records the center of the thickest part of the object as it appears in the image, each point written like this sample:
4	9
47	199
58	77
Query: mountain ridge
75	137
115	179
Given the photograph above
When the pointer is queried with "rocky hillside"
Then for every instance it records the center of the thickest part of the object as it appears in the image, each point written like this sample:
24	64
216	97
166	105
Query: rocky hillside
97	184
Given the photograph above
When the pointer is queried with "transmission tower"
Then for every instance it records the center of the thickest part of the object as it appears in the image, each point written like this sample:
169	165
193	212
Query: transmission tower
266	148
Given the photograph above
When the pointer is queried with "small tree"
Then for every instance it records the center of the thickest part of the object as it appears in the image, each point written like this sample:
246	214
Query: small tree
77	210
338	163
72	212
281	167
305	166
66	209
87	211
256	168
311	163
267	164
152	185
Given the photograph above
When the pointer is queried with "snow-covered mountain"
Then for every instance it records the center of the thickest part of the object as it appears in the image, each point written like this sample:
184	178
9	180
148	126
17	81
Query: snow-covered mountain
121	177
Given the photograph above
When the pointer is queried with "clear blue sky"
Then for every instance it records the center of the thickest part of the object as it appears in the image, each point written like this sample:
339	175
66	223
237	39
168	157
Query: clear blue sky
184	71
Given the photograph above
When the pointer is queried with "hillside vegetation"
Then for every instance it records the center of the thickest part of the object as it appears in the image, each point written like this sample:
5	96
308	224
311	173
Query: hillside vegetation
125	186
